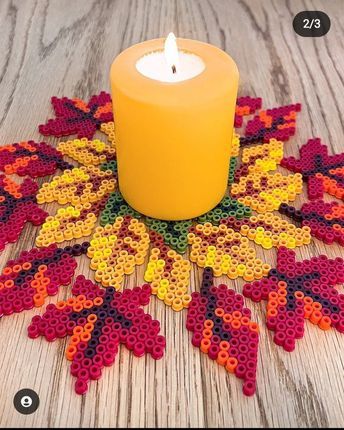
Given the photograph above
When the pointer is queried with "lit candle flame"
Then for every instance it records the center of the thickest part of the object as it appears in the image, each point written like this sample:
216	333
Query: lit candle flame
171	52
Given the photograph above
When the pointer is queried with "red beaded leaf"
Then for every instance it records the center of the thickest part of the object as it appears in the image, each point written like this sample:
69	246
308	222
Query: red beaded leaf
278	123
98	320
326	220
31	159
323	172
222	328
74	116
18	205
296	291
26	281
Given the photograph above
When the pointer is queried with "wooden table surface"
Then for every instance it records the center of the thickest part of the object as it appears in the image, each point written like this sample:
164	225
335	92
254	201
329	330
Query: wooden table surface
63	47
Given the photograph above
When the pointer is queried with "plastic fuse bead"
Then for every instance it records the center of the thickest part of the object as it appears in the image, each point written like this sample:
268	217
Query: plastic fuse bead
31	159
168	274
225	251
87	152
325	220
74	116
296	291
231	171
235	147
222	329
174	232
97	322
228	207
264	192
260	158
36	274
18	206
116	206
245	106
108	128
278	123
116	249
269	230
111	165
324	173
87	184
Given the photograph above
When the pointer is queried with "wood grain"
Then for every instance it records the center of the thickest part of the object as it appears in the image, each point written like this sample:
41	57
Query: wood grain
63	47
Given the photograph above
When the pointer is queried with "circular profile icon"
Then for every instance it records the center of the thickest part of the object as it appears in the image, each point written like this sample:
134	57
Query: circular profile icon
26	401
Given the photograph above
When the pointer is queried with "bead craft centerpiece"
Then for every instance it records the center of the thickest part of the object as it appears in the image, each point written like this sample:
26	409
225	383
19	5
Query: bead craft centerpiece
80	214
174	107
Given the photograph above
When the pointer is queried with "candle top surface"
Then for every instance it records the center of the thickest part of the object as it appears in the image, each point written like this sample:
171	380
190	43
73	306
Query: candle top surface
154	66
219	74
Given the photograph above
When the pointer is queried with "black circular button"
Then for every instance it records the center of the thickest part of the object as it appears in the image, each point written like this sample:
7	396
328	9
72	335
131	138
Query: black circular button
26	401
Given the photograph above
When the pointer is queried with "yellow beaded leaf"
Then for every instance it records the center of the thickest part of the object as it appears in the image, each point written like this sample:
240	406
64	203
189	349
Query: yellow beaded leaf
269	230
169	275
264	192
226	251
109	129
235	145
88	152
116	249
263	158
69	223
87	184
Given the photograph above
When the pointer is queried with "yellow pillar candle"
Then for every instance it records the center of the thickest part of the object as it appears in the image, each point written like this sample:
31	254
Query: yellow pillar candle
174	114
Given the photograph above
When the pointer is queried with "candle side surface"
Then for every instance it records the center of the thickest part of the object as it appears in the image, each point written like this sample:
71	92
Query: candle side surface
173	139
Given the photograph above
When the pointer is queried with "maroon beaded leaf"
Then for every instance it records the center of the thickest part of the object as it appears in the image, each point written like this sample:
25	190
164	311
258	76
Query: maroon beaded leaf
296	291
73	116
18	205
278	123
34	275
31	159
326	220
222	329
323	172
98	320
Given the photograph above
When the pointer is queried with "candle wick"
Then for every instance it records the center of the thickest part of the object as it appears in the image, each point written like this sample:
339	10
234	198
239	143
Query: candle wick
174	70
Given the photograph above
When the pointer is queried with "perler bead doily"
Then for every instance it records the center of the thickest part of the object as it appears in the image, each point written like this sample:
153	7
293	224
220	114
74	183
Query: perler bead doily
100	317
